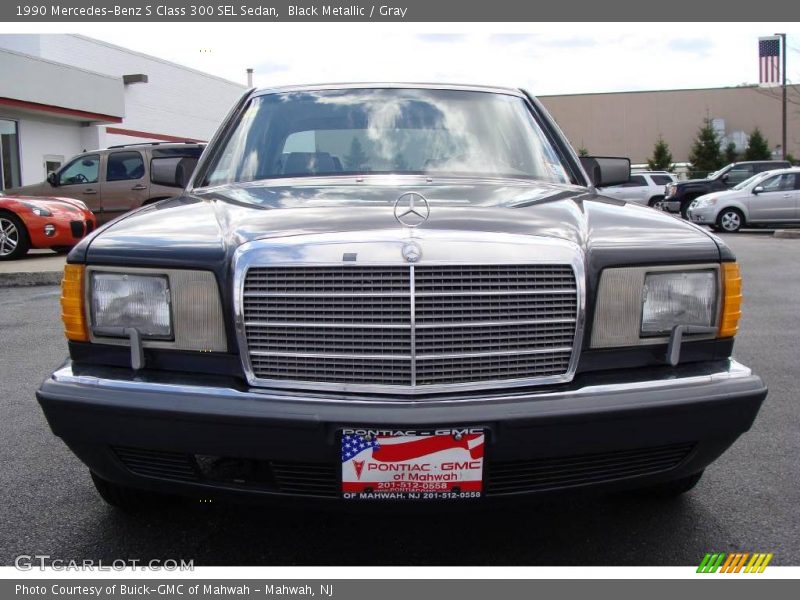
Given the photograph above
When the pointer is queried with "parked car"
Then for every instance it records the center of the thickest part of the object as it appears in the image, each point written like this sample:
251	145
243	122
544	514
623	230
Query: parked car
120	178
679	195
643	188
55	223
398	292
770	198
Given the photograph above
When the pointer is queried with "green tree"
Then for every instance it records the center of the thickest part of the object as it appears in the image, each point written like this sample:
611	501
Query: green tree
662	157
705	155
790	157
356	160
757	147
582	151
731	155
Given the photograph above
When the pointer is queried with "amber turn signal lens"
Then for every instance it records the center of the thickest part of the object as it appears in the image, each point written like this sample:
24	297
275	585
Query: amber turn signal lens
731	300
72	312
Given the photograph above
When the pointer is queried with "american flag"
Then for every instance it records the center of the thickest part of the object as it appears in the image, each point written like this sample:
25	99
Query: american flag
769	63
352	445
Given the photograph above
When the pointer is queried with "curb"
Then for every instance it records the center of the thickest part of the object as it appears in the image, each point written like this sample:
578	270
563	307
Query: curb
8	280
789	234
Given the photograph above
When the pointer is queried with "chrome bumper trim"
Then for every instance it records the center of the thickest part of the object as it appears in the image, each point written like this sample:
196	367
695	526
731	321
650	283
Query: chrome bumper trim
728	378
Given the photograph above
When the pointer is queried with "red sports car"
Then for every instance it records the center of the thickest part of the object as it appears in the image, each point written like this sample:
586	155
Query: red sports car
55	223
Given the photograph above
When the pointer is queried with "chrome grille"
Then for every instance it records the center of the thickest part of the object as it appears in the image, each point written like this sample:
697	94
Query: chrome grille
409	326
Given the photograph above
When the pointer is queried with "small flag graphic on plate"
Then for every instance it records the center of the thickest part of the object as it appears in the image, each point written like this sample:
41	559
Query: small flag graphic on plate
352	445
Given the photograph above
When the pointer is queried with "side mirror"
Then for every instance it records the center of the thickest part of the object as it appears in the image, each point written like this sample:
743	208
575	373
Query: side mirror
52	178
173	171
606	170
758	189
725	177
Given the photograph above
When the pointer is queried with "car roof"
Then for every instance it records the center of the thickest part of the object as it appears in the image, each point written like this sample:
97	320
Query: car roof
389	85
145	145
780	171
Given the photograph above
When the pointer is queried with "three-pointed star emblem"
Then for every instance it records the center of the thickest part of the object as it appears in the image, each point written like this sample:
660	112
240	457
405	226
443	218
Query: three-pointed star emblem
411	209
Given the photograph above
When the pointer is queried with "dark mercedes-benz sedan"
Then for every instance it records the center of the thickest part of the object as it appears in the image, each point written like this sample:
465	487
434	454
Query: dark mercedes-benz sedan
395	294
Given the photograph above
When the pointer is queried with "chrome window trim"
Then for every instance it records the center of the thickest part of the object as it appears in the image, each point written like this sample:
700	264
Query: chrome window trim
320	87
383	248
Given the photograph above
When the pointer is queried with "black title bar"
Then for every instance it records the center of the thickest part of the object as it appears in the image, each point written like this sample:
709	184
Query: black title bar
73	11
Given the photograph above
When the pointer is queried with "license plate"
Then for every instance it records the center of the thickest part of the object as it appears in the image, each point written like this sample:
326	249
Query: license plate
388	464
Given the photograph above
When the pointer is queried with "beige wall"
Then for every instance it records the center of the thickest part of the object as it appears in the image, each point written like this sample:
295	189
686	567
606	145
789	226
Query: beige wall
628	123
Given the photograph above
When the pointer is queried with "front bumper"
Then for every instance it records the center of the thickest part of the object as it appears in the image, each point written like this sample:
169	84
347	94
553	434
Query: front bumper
69	229
171	433
671	205
702	215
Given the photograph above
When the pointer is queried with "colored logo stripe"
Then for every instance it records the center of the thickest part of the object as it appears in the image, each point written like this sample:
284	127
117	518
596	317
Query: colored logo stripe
735	562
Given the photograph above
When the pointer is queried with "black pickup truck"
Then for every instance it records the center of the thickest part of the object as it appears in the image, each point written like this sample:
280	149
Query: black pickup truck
679	195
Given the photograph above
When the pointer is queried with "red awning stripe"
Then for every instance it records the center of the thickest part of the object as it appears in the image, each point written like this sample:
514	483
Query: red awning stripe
153	136
59	110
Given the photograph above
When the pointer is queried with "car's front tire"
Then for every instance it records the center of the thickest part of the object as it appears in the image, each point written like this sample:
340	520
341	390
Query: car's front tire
129	499
685	207
14	240
656	202
729	220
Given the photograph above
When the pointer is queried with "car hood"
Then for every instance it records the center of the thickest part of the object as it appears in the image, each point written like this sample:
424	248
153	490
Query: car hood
692	181
204	228
54	204
725	194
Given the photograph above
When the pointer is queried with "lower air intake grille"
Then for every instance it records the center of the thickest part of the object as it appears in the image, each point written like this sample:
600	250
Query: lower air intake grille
511	477
322	480
308	479
158	463
76	227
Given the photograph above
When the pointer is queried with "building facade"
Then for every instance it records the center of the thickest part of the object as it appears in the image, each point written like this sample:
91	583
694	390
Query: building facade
629	123
63	94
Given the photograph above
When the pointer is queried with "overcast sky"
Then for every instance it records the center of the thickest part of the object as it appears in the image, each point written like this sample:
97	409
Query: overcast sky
545	58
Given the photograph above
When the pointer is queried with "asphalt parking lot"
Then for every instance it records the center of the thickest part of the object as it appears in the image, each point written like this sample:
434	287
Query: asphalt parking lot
747	501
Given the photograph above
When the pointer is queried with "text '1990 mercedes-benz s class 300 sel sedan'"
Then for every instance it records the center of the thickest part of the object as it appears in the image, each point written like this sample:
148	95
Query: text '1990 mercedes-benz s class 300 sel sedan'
398	293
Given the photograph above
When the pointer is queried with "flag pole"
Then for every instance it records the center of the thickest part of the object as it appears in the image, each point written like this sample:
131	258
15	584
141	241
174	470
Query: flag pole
783	69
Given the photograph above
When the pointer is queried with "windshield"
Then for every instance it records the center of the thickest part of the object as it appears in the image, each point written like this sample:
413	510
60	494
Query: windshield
361	131
750	180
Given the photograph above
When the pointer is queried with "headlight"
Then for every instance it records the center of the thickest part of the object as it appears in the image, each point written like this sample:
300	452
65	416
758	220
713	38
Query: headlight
39	211
705	201
173	309
121	301
639	306
685	298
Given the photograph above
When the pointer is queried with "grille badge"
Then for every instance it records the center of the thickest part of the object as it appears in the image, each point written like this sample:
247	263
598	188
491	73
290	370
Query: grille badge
412	252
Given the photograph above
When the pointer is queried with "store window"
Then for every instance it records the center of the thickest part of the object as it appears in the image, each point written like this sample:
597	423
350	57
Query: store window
52	163
9	155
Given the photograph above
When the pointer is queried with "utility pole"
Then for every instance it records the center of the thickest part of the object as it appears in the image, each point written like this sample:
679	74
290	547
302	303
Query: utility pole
783	68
